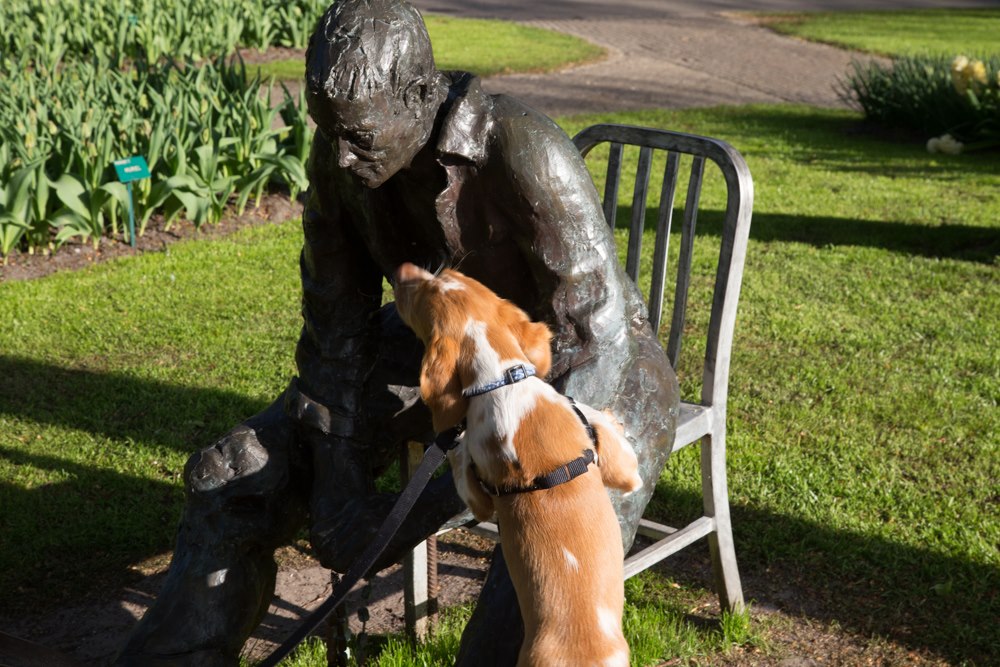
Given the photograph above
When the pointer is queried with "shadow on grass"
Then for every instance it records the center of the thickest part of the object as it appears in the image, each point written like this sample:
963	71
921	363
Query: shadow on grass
830	139
78	536
73	537
119	406
971	244
917	597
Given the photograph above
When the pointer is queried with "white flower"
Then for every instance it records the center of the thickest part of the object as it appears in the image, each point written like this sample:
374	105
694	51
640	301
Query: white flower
944	144
950	145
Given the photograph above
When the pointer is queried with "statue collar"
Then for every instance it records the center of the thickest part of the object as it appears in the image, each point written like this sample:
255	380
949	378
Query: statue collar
468	119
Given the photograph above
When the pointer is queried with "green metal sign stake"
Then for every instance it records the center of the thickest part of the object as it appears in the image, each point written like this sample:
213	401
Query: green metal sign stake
131	169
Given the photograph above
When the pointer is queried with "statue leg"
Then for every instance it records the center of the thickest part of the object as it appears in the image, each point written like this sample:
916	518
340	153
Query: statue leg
246	495
495	632
346	511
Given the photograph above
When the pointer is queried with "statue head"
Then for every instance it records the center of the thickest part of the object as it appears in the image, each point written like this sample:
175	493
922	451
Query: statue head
372	86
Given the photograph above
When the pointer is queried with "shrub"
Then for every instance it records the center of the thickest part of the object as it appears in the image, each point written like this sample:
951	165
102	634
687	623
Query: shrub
932	96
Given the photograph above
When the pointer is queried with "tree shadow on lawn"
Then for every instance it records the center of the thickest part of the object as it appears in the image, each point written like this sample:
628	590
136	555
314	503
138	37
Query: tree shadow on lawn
79	536
803	135
119	406
74	537
919	598
947	241
829	139
972	244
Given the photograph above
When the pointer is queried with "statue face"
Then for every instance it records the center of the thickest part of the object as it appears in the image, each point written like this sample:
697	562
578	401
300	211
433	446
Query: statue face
377	136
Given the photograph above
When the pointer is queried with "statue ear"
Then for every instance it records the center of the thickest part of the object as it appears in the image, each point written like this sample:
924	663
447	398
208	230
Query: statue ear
415	95
440	385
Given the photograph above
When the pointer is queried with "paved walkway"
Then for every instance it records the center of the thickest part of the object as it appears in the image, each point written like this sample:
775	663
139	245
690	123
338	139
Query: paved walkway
673	53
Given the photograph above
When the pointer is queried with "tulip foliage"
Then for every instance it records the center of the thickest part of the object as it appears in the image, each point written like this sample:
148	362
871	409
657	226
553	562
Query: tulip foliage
74	102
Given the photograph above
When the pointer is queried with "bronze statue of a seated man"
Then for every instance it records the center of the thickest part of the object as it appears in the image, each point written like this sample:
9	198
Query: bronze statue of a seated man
410	164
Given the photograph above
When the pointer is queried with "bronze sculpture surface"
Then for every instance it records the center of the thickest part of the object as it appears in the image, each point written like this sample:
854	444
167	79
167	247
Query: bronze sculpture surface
409	164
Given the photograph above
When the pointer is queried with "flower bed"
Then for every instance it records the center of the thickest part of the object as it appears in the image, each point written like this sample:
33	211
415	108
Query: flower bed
95	82
954	101
48	31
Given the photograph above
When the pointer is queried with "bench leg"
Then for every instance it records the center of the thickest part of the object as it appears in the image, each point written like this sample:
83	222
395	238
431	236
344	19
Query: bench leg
715	493
415	585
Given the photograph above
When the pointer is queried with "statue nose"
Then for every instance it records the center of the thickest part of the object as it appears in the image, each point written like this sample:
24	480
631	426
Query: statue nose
346	156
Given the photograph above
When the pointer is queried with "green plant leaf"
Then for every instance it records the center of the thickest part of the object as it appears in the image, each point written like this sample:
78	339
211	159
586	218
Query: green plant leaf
72	193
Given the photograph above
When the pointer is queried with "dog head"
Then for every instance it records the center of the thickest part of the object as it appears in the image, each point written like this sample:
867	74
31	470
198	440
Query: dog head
453	314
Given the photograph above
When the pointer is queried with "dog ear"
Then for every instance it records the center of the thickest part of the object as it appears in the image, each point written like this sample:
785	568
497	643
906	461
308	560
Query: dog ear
616	458
536	341
534	338
440	385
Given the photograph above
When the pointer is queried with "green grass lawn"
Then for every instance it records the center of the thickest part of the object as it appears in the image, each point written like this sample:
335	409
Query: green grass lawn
459	45
973	32
863	433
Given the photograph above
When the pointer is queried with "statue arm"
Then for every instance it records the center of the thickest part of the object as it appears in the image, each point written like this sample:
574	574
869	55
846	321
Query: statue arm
341	289
609	356
591	304
337	350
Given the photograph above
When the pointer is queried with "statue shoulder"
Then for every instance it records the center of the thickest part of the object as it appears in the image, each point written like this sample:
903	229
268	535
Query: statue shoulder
532	144
519	121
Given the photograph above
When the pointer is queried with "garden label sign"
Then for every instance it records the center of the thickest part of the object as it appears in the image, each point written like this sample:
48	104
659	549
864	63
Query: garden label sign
131	169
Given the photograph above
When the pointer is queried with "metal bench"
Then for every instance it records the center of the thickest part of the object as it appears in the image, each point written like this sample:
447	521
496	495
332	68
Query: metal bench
703	421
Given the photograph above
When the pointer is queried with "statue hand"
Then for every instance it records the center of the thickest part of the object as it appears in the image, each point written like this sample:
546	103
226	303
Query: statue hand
340	537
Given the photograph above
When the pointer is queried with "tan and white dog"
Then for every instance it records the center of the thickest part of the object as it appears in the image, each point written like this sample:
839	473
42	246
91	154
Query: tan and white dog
526	458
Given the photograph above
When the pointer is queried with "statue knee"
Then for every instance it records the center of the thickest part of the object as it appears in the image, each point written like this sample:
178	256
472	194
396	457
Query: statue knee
249	485
237	455
257	458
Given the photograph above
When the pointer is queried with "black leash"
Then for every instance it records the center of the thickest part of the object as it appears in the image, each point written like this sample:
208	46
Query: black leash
421	476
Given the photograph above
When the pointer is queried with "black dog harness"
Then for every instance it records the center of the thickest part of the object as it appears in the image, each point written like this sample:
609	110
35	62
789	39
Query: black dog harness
562	474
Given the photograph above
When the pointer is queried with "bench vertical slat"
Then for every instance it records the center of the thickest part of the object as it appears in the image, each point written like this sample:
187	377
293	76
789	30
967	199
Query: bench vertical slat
639	194
663	223
685	259
611	184
704	421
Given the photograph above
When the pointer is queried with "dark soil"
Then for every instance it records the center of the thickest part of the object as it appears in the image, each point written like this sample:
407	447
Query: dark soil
73	255
784	610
